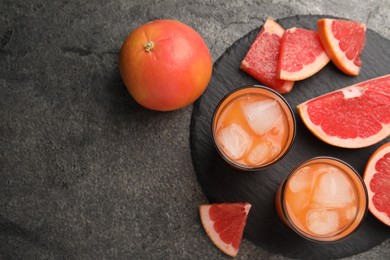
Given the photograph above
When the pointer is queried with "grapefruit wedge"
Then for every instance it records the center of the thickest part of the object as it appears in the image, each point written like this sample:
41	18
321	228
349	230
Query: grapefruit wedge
343	42
377	180
353	117
224	224
261	60
301	54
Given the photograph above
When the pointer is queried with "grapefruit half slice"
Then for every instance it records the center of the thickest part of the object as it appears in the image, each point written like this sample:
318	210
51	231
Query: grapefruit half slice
343	42
353	117
301	54
261	60
377	180
224	224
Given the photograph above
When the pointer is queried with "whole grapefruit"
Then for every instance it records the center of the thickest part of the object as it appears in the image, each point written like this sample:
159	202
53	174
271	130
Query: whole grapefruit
165	65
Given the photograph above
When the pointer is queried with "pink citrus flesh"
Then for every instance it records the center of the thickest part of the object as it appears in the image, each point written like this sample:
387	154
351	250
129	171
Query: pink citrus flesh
344	42
301	54
261	60
377	180
352	117
224	223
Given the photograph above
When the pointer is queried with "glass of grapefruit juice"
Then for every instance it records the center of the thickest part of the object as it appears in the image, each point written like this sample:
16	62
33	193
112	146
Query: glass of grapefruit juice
323	199
253	127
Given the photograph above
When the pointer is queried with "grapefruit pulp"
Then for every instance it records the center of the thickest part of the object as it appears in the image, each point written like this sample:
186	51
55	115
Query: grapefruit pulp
165	65
261	60
353	117
224	224
377	180
301	54
343	42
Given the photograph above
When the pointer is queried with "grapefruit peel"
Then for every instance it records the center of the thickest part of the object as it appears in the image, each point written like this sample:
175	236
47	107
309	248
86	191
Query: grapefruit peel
370	172
209	226
354	91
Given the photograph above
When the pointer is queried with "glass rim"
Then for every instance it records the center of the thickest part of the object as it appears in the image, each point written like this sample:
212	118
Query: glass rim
278	158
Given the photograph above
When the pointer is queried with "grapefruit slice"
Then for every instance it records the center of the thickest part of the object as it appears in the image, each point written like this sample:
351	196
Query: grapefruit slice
261	60
343	42
377	180
224	224
301	54
352	117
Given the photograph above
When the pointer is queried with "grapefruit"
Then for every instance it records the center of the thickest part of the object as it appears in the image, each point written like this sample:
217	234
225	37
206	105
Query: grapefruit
261	60
352	117
377	180
224	224
165	65
301	54
343	42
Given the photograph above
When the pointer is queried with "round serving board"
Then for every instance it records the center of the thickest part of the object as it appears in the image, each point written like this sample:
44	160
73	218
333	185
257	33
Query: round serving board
221	183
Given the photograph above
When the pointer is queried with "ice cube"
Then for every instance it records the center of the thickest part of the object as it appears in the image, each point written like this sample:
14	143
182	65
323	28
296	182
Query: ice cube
261	115
259	154
322	221
334	189
275	150
278	128
350	213
300	180
234	141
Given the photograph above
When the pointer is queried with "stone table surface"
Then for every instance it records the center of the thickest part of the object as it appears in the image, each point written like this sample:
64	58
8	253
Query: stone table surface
85	172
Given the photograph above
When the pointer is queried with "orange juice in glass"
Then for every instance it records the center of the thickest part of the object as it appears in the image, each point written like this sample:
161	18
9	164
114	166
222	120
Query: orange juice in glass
323	200
253	127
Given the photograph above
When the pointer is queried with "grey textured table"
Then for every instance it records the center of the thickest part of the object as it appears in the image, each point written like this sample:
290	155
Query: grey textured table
85	172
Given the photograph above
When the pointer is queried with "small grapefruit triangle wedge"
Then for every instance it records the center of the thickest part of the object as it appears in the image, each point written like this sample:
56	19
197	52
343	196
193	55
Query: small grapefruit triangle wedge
224	224
261	60
343	42
377	180
352	117
301	54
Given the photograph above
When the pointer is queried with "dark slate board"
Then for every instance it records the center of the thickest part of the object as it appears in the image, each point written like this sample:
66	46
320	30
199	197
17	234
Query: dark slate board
221	183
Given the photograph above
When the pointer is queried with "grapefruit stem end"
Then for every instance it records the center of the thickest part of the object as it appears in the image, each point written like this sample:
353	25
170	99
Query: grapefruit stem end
149	46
